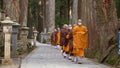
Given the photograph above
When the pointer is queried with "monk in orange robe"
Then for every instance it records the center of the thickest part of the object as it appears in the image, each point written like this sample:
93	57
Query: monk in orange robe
58	36
80	40
54	38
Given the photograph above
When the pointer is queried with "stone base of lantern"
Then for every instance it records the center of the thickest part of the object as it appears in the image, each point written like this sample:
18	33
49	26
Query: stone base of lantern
7	61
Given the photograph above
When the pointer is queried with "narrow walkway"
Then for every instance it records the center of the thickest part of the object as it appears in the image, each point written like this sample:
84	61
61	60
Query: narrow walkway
45	56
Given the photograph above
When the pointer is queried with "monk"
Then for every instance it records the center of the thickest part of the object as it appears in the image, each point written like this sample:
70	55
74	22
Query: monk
54	38
70	42
80	40
51	38
58	36
63	39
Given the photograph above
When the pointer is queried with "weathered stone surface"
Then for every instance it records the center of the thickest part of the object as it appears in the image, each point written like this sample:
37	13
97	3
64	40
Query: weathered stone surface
24	47
7	30
14	39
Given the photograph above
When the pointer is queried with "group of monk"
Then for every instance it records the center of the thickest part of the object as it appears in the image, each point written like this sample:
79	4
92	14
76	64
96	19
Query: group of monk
73	40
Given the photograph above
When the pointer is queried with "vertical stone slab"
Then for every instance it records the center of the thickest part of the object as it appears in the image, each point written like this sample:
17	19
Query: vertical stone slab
14	39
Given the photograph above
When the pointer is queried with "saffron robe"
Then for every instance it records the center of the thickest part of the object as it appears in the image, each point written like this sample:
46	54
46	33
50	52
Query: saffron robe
80	40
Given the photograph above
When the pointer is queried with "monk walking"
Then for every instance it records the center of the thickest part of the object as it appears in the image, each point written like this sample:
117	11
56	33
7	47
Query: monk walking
54	38
79	40
58	38
63	39
70	42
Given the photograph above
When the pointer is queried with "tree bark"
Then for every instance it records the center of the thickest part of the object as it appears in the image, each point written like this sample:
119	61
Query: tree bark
51	15
75	12
11	8
79	8
102	23
23	12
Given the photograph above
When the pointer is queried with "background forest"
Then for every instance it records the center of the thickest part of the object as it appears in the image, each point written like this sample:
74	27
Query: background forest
100	16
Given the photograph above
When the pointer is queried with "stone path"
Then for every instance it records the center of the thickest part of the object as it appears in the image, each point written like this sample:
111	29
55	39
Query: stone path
45	56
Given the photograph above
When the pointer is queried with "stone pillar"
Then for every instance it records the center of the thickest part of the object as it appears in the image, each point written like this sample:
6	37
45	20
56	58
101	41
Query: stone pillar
14	38
24	34
35	36
7	30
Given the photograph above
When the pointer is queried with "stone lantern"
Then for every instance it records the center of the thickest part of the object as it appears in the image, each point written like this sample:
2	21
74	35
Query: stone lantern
14	38
7	30
24	32
35	36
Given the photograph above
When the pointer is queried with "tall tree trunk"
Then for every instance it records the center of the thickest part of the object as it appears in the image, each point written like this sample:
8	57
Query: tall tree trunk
1	4
51	15
101	20
79	8
45	28
70	11
23	15
23	12
41	16
11	8
107	24
75	12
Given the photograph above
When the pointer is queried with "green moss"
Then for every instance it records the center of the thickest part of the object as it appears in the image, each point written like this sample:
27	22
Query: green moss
98	55
113	60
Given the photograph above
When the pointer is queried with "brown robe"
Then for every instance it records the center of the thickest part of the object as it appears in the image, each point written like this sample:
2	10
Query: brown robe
70	41
63	39
58	37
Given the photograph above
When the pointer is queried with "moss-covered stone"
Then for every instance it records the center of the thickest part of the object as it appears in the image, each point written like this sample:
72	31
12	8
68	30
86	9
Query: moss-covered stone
24	46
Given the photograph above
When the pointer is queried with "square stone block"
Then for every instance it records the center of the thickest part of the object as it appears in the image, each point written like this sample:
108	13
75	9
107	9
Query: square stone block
7	61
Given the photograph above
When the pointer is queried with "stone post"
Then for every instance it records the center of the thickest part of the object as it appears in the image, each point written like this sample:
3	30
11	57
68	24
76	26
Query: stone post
35	36
7	30
24	34
14	38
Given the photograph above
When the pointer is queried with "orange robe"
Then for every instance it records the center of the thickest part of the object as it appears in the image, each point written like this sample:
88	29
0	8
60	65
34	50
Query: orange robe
54	38
58	37
66	48
80	40
69	46
51	38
